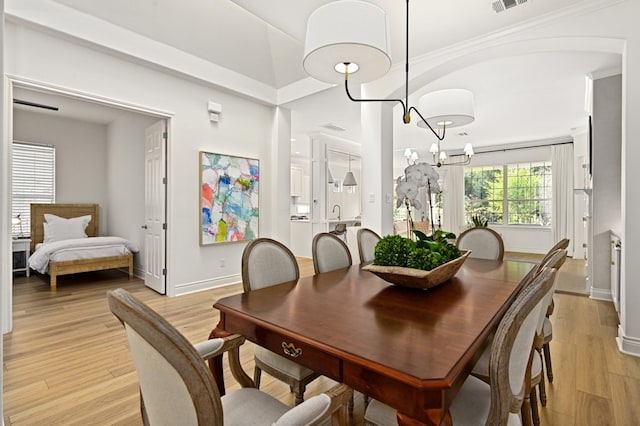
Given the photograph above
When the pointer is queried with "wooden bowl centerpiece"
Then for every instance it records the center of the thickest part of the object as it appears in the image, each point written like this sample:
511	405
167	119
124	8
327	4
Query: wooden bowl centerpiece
425	263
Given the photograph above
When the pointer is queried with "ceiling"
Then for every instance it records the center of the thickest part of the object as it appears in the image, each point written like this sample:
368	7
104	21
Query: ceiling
517	98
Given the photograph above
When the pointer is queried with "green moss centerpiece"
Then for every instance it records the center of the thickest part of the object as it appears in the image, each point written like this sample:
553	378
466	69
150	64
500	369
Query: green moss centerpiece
427	262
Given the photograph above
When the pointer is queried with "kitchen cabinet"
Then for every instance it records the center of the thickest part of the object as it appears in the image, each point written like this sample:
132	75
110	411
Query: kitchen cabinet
301	236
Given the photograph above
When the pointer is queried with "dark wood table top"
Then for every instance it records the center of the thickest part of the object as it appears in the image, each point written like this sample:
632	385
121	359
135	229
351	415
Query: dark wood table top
410	348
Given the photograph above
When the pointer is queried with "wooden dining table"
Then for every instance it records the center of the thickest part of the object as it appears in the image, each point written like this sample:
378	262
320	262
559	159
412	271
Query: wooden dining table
411	349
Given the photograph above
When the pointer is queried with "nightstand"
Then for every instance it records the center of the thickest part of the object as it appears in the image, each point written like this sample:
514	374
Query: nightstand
21	245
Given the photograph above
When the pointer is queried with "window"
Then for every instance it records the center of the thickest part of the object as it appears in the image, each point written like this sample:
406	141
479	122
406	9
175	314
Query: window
512	194
32	181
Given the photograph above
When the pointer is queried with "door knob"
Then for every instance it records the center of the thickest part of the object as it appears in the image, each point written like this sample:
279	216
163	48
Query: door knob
144	227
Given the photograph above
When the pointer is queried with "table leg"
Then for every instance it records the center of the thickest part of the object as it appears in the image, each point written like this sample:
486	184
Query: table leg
215	363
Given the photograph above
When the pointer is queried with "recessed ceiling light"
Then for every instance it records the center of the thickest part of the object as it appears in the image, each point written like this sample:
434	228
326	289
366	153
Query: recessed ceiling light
292	139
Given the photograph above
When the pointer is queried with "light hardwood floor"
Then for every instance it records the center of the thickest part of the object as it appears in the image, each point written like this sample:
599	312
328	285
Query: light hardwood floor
67	361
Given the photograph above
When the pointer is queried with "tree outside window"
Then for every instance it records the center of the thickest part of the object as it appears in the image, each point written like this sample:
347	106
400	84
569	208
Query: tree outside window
511	194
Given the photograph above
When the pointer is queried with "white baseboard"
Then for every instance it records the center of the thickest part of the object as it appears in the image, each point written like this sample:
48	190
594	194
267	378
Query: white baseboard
196	286
626	344
600	294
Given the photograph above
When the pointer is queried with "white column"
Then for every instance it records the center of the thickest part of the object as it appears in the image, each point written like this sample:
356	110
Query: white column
276	199
629	329
377	166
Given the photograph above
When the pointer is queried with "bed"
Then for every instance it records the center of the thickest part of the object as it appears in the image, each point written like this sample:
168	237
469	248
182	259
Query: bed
74	266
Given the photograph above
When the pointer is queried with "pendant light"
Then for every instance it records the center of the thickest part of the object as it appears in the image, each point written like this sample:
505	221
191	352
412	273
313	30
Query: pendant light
349	178
329	176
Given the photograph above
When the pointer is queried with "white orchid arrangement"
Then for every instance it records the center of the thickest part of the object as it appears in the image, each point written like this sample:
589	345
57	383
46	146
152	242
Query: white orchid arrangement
416	176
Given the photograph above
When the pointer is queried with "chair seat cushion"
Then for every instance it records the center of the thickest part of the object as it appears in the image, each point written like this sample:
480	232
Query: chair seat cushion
250	406
470	407
282	364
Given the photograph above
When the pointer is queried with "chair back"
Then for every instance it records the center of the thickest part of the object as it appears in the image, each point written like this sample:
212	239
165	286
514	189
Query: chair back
266	262
329	253
553	259
512	348
175	385
562	244
340	228
484	243
367	240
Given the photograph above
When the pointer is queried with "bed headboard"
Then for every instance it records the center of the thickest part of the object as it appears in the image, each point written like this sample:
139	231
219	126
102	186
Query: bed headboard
62	210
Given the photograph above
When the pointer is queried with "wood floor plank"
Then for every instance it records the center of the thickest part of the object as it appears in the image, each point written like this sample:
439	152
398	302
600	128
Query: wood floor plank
592	374
593	410
561	393
626	399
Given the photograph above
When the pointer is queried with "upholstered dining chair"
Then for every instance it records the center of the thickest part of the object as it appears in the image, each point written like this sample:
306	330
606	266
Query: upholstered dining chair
484	243
267	262
176	387
329	253
481	369
548	327
367	240
499	403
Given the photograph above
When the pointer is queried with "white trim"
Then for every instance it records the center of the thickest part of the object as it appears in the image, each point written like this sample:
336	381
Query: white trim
196	286
6	277
627	345
27	83
600	294
609	72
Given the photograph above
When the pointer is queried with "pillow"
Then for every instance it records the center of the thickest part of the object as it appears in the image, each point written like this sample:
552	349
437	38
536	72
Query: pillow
58	228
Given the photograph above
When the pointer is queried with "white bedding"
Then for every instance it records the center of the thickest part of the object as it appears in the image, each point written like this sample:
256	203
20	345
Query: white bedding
81	248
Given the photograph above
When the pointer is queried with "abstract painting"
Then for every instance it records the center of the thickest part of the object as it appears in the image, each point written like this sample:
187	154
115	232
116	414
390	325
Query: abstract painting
229	189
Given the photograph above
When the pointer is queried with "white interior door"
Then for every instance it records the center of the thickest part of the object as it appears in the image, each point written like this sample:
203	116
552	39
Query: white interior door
155	209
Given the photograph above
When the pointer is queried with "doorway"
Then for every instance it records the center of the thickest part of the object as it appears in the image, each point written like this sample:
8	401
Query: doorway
125	125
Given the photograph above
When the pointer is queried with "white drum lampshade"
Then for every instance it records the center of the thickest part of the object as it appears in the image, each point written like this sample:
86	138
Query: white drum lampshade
446	108
347	31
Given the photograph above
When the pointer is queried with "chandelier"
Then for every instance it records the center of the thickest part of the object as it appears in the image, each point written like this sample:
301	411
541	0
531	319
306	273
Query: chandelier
349	39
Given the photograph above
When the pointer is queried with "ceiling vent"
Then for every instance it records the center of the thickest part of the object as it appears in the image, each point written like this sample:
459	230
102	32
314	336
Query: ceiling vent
333	126
502	5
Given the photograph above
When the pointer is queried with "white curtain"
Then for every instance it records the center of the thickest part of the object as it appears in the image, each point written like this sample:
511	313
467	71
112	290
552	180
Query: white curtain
453	199
562	193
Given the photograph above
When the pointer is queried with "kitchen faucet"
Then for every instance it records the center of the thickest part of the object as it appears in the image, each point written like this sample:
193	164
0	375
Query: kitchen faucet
334	210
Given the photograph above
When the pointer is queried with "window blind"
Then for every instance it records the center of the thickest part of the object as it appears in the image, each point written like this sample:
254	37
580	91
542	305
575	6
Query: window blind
32	181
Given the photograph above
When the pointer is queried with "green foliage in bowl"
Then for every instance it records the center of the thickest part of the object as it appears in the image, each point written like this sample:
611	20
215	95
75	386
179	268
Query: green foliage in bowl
426	253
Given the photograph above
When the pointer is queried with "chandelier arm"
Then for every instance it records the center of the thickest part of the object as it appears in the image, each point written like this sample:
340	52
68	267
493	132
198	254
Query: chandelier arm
346	87
444	129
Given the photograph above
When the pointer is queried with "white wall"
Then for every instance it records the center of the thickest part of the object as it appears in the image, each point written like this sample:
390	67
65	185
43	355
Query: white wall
606	161
125	178
245	129
80	156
